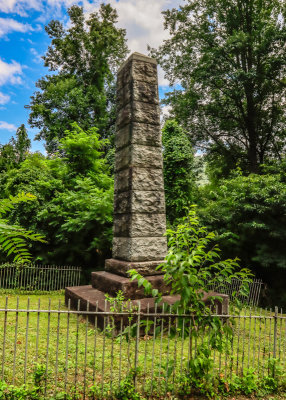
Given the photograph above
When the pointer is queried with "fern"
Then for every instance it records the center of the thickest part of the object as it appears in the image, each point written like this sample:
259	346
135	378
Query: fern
13	238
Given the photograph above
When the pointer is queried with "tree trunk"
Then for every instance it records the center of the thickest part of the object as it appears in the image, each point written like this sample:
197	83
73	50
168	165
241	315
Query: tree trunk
253	164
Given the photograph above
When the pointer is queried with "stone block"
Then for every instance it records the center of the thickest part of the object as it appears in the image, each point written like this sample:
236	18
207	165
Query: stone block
97	303
124	116
138	133
139	201
145	92
122	267
137	155
139	225
139	249
138	111
137	178
137	91
124	74
112	283
145	113
137	67
123	137
145	71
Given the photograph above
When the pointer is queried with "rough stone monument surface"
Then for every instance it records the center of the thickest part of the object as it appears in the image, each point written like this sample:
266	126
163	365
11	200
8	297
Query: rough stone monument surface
139	202
139	199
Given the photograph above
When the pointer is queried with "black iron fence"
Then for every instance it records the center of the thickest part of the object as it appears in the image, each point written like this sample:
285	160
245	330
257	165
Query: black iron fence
231	289
34	277
76	356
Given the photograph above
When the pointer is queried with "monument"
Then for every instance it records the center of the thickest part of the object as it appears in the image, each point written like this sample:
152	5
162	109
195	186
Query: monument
139	202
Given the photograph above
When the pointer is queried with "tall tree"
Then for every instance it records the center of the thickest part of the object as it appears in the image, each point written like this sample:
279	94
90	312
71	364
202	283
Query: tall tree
229	58
85	57
21	144
179	177
7	157
15	152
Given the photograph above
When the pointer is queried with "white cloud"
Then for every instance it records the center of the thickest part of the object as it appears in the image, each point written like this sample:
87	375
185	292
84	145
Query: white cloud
144	24
143	21
7	126
37	57
20	6
10	73
4	98
162	81
165	110
8	25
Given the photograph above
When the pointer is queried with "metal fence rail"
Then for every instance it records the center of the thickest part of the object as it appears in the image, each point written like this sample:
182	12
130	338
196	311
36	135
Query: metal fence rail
229	288
95	357
38	277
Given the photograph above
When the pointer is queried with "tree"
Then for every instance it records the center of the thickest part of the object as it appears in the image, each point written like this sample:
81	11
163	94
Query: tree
7	157
249	215
85	57
74	200
229	58
14	152
179	179
21	144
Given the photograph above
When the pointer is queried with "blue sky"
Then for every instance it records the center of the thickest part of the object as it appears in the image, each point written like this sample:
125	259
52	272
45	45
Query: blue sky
23	40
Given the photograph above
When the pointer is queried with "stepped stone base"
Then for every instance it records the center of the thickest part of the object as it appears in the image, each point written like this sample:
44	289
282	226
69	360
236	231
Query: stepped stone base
97	301
105	282
143	267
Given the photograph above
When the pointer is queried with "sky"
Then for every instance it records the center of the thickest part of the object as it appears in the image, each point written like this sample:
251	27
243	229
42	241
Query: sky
23	41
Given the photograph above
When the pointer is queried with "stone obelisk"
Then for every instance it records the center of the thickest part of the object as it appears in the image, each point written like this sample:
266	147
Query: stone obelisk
139	201
139	204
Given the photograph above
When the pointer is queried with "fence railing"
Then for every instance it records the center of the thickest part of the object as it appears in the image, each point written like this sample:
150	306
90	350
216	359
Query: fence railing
38	277
92	352
229	288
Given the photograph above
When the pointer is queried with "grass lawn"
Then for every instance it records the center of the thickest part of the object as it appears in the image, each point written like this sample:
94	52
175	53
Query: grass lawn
76	354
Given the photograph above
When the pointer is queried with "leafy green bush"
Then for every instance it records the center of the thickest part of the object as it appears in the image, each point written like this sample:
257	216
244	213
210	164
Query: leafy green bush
249	215
74	204
179	167
13	238
192	263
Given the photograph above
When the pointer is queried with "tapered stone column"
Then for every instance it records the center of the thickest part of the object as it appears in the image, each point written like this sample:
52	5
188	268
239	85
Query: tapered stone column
139	201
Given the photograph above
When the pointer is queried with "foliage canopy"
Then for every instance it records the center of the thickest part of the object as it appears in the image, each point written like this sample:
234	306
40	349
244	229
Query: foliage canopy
229	58
85	56
14	152
74	204
178	156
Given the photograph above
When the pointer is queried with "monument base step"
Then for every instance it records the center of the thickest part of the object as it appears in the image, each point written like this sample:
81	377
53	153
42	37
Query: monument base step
79	296
122	267
112	283
97	300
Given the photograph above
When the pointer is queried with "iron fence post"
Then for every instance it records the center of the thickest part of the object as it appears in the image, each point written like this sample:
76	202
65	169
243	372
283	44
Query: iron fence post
137	344
275	332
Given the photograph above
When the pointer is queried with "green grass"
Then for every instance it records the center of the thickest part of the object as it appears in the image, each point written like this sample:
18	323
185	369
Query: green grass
86	355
